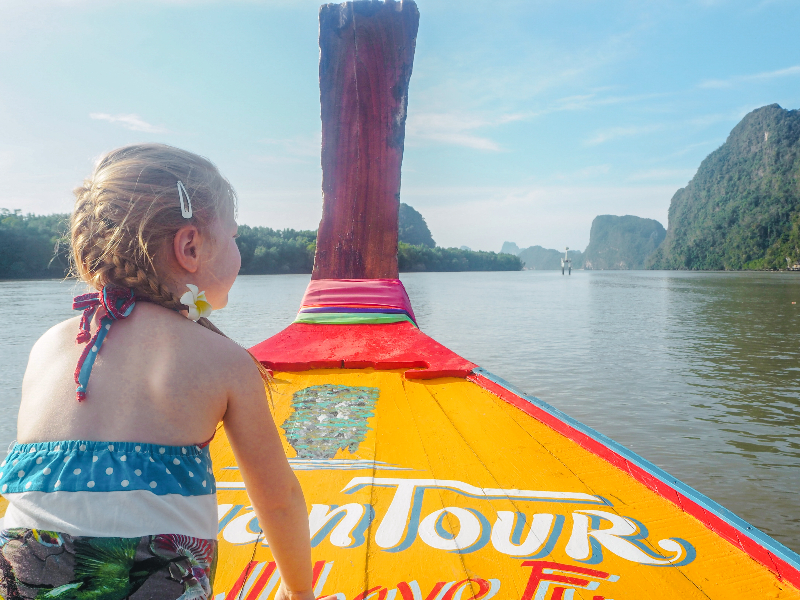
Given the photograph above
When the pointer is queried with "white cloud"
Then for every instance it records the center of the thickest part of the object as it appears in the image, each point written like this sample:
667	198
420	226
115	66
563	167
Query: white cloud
132	122
764	76
301	146
612	133
297	150
278	159
457	99
463	128
457	129
690	148
712	119
594	99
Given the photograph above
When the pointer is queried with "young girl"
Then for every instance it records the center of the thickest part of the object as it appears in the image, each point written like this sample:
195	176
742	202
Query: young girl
110	487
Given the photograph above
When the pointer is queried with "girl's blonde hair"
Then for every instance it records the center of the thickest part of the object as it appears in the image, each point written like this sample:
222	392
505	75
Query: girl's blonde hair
129	210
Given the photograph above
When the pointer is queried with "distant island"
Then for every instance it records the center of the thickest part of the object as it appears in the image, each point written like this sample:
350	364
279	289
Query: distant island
616	243
622	242
418	251
37	247
537	258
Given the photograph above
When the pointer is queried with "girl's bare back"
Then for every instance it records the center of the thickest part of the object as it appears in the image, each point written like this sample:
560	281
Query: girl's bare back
159	379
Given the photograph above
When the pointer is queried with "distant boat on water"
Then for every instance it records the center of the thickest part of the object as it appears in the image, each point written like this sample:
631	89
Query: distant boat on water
566	262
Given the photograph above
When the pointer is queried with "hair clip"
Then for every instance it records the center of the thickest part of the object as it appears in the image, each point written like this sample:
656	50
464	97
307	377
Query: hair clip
186	213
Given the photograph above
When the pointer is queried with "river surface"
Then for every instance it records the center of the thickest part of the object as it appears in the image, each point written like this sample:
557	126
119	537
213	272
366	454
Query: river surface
697	372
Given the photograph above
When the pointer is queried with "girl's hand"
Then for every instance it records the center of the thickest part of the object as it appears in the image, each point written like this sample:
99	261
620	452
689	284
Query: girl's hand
284	594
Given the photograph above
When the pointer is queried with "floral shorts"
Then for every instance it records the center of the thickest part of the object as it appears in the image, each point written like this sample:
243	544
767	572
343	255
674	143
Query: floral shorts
44	564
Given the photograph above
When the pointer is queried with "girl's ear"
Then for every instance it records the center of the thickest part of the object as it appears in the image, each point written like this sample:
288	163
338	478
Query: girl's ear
186	247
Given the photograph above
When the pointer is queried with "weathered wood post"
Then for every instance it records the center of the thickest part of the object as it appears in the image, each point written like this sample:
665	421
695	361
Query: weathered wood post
366	55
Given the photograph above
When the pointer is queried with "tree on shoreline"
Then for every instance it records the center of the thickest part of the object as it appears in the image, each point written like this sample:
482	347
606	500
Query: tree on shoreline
37	247
270	251
33	247
423	258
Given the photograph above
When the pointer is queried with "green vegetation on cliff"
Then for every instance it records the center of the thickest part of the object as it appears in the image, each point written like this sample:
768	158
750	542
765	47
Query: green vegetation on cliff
621	242
413	229
742	208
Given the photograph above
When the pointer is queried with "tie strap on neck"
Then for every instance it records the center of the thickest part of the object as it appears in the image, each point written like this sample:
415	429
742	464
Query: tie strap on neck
116	303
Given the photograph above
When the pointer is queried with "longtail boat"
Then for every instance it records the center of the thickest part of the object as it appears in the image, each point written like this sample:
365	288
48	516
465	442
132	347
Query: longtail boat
427	477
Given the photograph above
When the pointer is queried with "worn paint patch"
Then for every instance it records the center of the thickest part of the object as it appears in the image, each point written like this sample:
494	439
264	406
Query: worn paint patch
327	418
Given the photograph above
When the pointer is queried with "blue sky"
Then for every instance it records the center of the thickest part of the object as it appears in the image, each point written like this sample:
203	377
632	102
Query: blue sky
526	118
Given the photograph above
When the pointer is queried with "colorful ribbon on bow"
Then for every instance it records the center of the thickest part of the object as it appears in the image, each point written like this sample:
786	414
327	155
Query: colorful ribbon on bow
117	302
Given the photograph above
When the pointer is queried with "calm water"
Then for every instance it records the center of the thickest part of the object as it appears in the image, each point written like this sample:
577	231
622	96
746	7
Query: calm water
697	372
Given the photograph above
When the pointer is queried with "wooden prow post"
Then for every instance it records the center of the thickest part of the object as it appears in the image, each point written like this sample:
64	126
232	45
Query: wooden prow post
366	55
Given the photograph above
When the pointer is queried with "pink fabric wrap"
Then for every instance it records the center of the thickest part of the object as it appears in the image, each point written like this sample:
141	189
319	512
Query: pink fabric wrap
357	293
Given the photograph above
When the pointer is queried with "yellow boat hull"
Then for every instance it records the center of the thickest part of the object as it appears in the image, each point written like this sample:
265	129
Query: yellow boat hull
453	493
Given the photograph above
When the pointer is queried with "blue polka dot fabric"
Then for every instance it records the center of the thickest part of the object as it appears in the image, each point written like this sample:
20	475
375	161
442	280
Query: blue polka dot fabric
84	466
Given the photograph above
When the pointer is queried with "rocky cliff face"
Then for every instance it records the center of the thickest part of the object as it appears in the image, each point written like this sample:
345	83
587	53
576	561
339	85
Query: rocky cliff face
742	208
413	229
510	248
621	242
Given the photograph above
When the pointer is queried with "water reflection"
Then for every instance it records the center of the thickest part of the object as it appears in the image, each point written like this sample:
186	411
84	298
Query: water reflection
697	372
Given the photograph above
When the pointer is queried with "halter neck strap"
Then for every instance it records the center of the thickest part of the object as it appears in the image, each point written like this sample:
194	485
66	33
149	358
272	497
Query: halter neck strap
116	303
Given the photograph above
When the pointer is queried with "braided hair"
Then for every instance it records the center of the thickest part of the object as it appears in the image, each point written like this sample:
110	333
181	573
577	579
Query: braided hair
128	211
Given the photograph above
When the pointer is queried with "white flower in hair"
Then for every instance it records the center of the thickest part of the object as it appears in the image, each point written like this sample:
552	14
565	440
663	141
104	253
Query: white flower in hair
197	303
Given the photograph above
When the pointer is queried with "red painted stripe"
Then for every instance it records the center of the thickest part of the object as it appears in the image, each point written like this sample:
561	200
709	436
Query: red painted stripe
316	572
725	530
261	582
237	587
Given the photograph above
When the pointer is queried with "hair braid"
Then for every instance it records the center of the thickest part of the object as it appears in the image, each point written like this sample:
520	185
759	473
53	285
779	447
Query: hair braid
129	210
143	281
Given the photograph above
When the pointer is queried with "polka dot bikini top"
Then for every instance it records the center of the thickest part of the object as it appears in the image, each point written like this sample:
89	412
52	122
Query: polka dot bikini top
110	489
79	466
78	487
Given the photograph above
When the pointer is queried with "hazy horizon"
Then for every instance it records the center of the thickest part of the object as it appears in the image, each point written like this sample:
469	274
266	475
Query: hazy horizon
526	119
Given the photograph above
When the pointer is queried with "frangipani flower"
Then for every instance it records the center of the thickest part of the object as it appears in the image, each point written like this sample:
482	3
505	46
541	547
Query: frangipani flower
197	303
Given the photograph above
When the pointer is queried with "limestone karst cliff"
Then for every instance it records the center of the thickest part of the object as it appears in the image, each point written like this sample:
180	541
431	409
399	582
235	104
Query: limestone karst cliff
742	207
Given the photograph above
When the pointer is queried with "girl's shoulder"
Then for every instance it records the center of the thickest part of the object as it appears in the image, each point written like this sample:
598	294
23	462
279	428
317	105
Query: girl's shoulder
58	336
193	340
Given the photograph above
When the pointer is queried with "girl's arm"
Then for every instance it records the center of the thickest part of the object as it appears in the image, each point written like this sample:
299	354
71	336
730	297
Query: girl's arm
271	484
